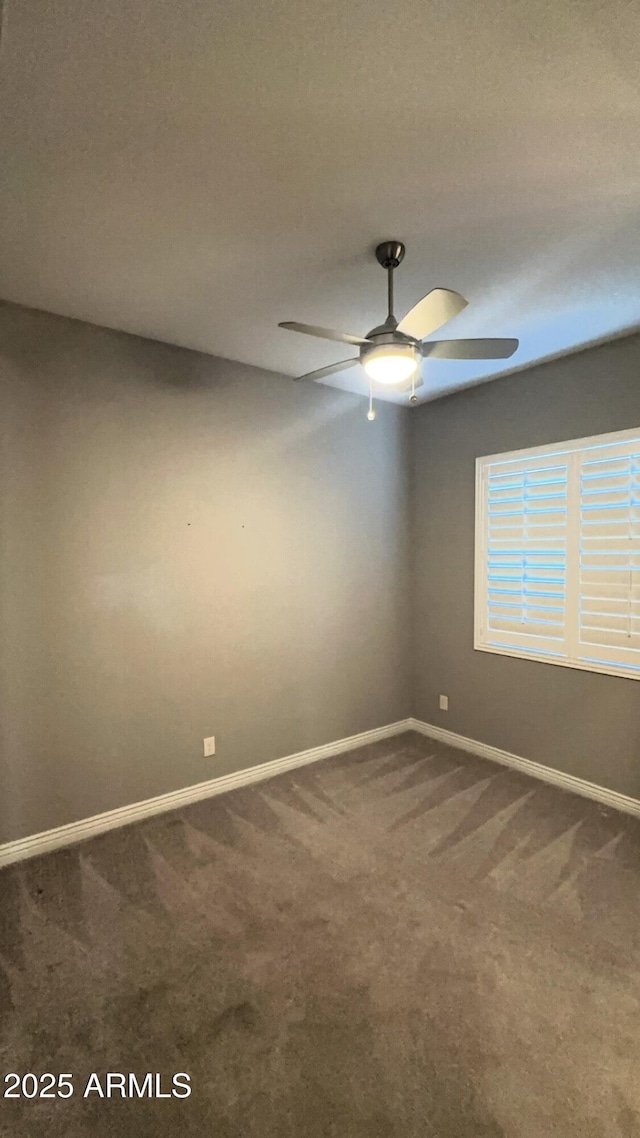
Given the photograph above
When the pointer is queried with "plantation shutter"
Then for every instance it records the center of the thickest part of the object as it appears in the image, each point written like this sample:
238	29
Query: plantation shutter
522	587
558	554
609	619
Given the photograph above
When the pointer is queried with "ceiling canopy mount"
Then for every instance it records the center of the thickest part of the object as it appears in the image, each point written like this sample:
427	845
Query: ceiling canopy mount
390	254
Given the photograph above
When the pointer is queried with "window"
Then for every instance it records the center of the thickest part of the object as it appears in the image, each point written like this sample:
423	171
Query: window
558	554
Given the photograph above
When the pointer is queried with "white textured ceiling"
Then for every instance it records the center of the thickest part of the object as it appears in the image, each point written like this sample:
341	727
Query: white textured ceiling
197	170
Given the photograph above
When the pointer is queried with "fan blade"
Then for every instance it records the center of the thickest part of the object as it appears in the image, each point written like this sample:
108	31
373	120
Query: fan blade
469	349
323	333
330	370
430	313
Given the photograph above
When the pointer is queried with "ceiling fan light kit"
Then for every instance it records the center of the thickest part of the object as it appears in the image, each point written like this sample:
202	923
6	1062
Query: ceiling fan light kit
392	353
390	363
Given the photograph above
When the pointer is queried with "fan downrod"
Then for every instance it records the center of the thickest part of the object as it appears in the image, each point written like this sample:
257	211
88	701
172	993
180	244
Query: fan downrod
390	254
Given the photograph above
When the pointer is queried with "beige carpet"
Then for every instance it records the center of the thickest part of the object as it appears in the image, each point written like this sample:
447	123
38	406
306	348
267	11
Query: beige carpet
402	941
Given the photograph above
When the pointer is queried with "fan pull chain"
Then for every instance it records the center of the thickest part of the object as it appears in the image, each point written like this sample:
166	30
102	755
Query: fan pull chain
414	397
371	413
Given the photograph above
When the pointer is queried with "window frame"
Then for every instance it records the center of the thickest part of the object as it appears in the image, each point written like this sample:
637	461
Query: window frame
572	451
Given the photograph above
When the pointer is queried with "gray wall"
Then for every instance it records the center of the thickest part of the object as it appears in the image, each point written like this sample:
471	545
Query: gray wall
580	722
188	547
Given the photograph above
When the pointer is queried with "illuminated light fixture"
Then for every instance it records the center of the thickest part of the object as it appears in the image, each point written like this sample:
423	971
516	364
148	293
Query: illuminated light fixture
390	363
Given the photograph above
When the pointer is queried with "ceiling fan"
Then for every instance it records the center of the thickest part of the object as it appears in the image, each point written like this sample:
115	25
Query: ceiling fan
392	353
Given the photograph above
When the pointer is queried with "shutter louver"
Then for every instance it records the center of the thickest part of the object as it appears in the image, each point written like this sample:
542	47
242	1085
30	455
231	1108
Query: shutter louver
609	620
526	554
558	554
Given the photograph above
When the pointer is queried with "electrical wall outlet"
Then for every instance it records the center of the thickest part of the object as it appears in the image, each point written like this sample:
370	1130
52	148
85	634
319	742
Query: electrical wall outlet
444	703
209	746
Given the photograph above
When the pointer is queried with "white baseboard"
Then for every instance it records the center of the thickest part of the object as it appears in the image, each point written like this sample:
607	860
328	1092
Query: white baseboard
48	840
537	770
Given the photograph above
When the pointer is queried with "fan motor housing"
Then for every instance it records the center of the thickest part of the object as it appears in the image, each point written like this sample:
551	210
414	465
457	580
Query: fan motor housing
384	335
